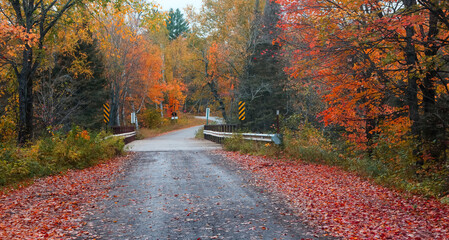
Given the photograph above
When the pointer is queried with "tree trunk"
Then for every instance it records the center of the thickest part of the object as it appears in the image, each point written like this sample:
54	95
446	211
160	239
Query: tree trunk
113	120
412	87
25	80
429	130
213	89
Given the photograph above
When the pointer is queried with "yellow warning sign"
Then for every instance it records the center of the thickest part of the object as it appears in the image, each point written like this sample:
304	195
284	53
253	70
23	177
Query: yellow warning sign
242	111
106	112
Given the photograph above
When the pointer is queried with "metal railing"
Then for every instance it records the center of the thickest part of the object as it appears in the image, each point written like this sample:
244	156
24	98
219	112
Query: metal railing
128	133
217	133
122	129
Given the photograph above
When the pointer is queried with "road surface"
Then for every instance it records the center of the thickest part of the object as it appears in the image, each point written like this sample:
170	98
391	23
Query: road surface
177	188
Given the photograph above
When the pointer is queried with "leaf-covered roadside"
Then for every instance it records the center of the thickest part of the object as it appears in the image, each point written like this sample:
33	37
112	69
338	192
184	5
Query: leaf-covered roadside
53	207
346	205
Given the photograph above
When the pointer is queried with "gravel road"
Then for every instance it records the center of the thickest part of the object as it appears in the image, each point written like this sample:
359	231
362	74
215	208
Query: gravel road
177	188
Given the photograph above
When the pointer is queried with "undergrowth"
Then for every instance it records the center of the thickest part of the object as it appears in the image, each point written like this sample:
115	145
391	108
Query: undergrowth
57	153
199	133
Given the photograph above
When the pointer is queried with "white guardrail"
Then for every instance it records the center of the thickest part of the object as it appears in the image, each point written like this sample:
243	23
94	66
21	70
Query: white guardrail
246	136
123	135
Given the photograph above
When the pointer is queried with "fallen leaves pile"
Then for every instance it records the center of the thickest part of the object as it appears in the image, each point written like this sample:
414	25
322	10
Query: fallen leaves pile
344	204
53	207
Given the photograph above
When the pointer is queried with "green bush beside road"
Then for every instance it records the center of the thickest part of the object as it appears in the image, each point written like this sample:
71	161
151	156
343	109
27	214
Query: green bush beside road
76	149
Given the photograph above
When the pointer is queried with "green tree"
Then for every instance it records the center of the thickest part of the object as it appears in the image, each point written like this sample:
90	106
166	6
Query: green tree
67	98
176	24
91	91
263	82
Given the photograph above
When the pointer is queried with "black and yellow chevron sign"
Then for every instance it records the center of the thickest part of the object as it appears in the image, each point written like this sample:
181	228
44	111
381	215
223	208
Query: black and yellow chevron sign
242	111
106	112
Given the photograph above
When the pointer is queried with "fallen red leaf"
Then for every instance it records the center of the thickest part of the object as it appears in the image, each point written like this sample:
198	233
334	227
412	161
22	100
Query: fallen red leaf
54	207
344	204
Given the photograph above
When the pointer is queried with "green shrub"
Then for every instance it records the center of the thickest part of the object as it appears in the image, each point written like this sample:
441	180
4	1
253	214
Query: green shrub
233	143
237	143
75	150
200	133
309	144
151	118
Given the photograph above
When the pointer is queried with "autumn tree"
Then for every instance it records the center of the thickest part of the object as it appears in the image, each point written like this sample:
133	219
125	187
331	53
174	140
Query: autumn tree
65	96
131	61
226	24
34	18
377	65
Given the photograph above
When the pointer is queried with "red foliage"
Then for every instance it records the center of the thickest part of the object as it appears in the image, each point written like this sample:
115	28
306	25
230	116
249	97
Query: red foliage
53	207
345	205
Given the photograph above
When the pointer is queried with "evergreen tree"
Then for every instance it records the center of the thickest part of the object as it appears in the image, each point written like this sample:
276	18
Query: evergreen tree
262	86
67	99
176	24
90	91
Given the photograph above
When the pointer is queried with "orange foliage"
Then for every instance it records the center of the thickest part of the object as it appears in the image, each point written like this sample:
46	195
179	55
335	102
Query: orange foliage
133	61
13	39
218	69
176	96
353	52
145	72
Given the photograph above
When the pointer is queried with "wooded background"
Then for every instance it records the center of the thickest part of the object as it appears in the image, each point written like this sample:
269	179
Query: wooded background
370	76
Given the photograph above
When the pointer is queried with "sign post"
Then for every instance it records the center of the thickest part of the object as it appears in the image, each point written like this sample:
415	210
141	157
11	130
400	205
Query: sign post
277	138
207	115
277	121
174	116
133	117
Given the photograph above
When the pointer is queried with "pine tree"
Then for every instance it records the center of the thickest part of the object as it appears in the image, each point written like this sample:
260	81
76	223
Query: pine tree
64	98
176	24
262	87
90	91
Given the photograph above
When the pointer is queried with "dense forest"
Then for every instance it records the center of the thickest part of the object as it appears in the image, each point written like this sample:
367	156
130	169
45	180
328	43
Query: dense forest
367	80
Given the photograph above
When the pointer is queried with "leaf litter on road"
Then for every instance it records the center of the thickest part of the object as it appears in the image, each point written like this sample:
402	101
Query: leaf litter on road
344	204
54	207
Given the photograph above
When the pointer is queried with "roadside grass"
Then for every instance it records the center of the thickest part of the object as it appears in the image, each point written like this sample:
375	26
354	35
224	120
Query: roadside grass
78	149
168	125
199	134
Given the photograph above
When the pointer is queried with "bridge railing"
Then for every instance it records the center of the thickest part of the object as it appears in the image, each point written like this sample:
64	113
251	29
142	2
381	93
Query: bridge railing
128	133
217	133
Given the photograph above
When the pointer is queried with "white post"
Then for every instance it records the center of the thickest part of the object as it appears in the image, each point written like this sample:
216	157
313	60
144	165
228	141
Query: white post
207	115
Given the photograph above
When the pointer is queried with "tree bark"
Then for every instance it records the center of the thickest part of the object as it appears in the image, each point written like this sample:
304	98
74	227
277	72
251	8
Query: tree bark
430	131
431	50
25	80
213	88
114	119
412	87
